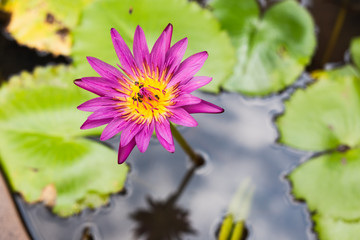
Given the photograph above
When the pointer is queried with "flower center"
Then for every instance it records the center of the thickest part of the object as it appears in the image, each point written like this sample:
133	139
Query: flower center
149	99
146	92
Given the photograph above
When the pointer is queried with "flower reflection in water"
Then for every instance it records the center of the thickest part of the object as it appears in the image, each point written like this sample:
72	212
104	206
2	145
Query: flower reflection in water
164	220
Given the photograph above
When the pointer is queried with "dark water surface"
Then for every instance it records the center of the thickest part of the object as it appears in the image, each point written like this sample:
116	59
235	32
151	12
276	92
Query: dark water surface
238	144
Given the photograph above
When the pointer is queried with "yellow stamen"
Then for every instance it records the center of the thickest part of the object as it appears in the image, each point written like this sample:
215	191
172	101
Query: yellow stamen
148	98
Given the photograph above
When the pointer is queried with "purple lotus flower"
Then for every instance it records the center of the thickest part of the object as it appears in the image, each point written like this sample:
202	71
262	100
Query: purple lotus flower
150	90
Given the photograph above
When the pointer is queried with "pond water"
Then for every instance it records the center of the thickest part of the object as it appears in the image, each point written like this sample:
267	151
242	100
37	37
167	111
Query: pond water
238	144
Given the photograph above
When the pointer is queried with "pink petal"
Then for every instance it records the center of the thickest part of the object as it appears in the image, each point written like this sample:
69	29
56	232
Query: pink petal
105	70
162	128
125	150
188	68
89	87
169	31
161	46
163	133
101	82
123	52
95	123
182	117
143	138
94	104
195	83
130	132
168	146
113	128
203	107
186	99
175	54
140	48
104	112
98	85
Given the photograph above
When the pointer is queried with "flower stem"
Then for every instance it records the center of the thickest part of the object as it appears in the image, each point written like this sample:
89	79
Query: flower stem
195	158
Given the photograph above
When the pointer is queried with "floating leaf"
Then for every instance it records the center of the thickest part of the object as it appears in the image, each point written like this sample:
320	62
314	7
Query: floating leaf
335	229
236	18
326	114
92	37
355	51
42	150
44	24
272	51
330	184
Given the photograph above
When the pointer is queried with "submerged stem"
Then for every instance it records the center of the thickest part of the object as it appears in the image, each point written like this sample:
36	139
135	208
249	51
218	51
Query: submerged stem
336	31
185	181
195	158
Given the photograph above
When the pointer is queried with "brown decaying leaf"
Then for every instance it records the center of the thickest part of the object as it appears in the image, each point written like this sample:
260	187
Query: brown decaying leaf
48	195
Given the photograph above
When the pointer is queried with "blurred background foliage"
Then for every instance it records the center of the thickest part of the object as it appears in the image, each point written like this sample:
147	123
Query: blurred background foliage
253	50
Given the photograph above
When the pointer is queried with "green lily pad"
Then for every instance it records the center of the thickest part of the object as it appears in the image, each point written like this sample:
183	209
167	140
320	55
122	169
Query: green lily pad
326	114
92	37
325	117
335	229
236	18
272	51
330	184
355	51
44	24
42	149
